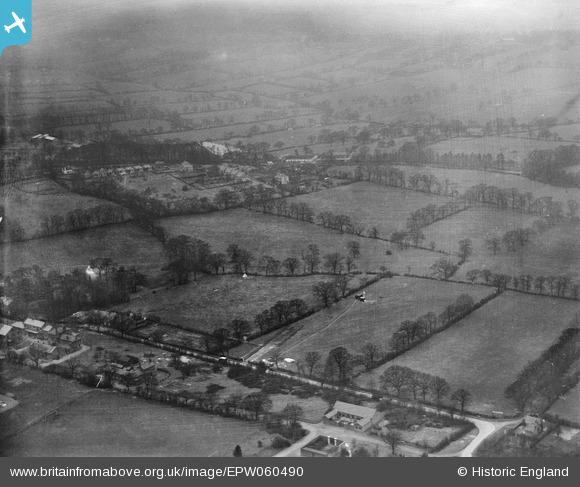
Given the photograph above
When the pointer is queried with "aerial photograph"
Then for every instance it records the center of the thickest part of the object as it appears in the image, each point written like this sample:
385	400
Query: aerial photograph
290	228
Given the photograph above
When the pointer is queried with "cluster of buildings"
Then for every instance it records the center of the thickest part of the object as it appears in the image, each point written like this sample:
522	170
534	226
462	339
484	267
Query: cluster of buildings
54	341
107	172
345	415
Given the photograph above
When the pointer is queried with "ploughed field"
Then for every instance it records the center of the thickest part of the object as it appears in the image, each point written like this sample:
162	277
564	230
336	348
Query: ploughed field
486	351
352	324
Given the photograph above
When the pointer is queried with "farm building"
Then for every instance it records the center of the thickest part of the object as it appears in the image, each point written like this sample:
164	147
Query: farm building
282	178
147	168
186	167
352	416
339	156
33	326
49	352
301	159
18	329
322	446
6	334
475	132
159	166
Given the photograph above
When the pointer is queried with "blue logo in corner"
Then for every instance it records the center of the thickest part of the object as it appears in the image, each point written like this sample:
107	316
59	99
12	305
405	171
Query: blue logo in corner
15	22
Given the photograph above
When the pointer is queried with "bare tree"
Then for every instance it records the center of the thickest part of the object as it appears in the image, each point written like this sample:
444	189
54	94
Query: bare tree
393	438
395	377
462	397
370	352
440	389
311	359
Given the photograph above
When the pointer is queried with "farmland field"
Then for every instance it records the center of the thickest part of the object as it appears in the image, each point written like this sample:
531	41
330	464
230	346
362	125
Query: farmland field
126	244
283	237
111	424
371	204
568	406
29	203
553	253
37	394
465	179
485	351
513	147
476	224
201	304
351	323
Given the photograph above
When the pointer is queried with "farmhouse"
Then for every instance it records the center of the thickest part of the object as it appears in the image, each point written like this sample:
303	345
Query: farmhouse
322	446
351	416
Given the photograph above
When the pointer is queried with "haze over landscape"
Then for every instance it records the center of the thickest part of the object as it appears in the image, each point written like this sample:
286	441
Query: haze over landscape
353	219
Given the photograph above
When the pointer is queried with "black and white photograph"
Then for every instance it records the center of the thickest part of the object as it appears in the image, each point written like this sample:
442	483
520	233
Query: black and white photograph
290	228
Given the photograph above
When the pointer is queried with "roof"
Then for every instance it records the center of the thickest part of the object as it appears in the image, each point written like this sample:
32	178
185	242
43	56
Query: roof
47	328
4	330
35	323
365	414
18	324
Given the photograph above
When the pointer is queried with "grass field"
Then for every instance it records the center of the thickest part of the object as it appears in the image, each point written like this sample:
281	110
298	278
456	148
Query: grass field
28	203
283	237
351	323
476	224
513	147
371	204
37	394
214	301
485	351
465	178
553	253
127	244
111	424
568	406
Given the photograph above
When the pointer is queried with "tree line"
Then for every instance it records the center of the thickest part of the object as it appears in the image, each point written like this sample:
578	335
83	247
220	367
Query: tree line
56	295
559	286
412	332
540	383
548	166
489	195
397	379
